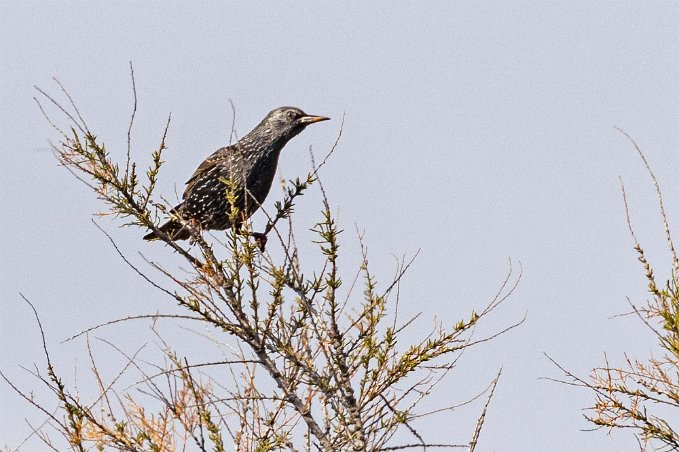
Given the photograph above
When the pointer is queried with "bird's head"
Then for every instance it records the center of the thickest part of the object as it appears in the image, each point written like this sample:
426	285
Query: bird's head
286	122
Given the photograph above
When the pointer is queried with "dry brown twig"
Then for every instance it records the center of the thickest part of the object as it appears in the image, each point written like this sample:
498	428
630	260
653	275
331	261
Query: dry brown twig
642	395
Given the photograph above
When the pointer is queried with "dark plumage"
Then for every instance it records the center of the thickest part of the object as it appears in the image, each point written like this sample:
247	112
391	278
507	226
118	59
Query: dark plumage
249	164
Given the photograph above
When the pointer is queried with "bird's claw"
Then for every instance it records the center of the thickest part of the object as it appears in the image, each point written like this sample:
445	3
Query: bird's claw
261	239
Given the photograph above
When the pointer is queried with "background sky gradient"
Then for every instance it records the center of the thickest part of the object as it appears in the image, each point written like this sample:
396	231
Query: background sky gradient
474	132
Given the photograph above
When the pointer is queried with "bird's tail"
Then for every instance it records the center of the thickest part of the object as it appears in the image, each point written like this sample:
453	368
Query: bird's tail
172	228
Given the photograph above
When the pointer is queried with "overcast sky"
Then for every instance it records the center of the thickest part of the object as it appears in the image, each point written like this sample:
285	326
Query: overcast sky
474	132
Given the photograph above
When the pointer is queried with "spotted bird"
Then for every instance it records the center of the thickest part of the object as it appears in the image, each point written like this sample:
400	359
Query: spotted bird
249	166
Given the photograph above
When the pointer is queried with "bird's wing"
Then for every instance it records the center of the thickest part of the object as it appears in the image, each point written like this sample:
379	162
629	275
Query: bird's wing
203	168
208	164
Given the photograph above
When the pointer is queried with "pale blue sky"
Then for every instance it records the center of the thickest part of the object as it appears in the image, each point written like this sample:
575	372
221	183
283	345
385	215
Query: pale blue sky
474	132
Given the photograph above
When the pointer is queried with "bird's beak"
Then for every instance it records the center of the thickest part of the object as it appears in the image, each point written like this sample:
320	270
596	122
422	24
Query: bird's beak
309	119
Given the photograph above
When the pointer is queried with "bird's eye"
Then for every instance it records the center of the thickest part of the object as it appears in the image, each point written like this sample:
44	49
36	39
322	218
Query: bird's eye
291	114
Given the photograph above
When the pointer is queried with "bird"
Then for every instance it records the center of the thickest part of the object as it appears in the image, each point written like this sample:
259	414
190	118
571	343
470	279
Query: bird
247	168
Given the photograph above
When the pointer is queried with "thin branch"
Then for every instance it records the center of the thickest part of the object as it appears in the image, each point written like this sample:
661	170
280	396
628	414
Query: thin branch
129	128
479	424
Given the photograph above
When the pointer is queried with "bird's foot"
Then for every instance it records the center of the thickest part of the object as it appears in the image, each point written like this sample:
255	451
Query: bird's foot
261	239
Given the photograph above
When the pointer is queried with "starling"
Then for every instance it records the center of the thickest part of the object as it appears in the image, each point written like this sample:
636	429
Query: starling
249	167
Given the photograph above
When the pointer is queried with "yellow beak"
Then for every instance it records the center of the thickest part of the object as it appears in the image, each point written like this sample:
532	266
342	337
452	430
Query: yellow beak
309	119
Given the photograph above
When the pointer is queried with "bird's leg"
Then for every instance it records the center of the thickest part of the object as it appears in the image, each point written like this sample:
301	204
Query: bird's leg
259	237
194	229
